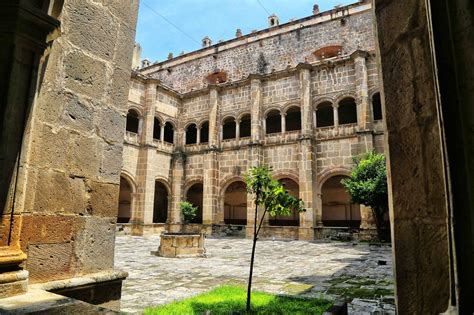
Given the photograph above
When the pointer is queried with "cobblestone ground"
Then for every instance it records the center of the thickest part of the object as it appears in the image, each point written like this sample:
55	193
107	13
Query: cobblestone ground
332	269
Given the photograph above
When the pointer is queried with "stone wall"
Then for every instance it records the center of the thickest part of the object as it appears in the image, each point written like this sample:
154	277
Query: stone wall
72	169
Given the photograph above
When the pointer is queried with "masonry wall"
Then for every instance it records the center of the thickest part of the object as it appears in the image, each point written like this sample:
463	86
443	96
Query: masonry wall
71	182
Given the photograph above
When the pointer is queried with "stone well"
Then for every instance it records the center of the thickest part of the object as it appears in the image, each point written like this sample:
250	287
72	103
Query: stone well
180	245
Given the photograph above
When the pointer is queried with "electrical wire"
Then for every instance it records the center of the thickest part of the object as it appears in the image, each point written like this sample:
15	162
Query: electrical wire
263	7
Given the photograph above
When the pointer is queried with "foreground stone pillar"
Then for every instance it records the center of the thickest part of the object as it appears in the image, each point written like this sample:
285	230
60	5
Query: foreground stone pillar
416	175
177	177
307	164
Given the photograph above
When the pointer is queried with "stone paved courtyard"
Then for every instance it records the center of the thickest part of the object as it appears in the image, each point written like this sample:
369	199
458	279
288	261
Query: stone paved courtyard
333	269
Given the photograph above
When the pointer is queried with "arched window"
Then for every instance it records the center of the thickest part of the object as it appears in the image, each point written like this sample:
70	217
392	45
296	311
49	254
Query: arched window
235	204
273	122
125	201
293	119
228	129
204	132
324	115
347	111
245	126
160	205
377	106
338	210
169	133
195	196
156	129
191	134
133	121
294	219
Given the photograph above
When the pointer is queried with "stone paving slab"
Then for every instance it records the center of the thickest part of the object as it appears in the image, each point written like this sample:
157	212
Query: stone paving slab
330	269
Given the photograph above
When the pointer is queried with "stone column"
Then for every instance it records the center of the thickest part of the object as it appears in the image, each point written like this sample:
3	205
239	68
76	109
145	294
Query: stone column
307	165
162	134
237	129
283	122
145	177
211	212
255	149
364	112
336	114
198	135
177	182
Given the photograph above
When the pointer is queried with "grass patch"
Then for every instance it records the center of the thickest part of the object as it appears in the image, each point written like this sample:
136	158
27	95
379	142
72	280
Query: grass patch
232	299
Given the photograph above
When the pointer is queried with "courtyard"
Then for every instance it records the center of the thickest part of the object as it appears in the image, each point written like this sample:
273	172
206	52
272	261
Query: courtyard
338	270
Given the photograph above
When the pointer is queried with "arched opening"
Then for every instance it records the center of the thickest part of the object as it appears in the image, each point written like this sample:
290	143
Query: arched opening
133	121
245	126
169	133
324	115
377	106
125	201
347	111
204	132
156	129
195	196
216	77
160	205
191	134
293	220
273	122
338	210
293	119
228	128
235	204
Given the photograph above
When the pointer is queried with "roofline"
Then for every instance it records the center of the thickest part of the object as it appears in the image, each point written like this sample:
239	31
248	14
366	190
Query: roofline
351	9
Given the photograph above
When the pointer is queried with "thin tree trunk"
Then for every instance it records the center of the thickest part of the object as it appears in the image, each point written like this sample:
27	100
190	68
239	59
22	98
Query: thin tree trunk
249	289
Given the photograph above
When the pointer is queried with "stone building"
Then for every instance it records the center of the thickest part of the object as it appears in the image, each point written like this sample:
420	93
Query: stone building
301	97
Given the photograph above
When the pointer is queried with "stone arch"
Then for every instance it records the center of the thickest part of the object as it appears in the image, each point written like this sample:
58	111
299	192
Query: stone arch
157	123
341	97
337	207
229	124
376	102
272	121
233	200
127	191
292	117
169	130
191	133
347	111
204	131
161	200
330	172
285	174
245	124
133	121
194	193
324	114
292	186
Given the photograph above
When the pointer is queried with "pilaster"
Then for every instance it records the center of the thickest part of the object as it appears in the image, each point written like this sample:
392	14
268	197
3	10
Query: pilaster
177	183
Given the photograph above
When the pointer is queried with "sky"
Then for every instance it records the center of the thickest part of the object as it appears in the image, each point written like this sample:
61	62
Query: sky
218	19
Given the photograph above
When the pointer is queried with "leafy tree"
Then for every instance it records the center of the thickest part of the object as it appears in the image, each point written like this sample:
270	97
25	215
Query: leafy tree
368	185
188	211
275	200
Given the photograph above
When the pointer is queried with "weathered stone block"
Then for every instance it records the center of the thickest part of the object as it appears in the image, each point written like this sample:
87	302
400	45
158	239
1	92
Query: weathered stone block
102	198
82	156
94	245
50	261
85	75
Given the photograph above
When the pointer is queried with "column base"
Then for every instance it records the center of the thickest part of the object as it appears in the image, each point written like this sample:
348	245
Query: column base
306	234
13	283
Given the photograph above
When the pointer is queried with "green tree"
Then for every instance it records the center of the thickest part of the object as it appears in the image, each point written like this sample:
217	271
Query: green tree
188	211
275	200
368	186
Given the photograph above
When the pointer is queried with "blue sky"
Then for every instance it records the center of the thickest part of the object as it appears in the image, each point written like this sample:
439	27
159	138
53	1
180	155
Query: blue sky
217	19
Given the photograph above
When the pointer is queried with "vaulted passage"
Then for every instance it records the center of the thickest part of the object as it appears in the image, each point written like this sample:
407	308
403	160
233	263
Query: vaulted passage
325	115
228	128
133	121
169	133
293	220
337	207
245	126
347	111
204	132
160	205
125	201
293	119
156	129
191	134
235	204
195	196
377	106
273	122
